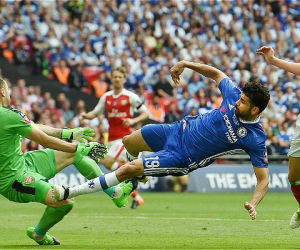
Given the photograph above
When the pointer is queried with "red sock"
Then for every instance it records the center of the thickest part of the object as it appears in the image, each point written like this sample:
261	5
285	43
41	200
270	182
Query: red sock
296	192
134	193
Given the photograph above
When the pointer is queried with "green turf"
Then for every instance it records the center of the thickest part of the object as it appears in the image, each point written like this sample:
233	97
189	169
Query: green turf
166	221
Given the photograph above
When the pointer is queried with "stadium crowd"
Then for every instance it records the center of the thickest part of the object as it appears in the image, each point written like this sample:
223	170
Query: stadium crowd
80	42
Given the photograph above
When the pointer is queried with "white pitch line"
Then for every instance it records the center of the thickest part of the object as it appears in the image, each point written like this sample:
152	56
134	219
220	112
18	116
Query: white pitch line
172	218
107	216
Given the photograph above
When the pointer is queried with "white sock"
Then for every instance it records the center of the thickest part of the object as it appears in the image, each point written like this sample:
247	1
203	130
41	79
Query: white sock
94	185
111	179
90	186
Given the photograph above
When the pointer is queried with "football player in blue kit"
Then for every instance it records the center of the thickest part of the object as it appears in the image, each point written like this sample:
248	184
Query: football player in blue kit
195	142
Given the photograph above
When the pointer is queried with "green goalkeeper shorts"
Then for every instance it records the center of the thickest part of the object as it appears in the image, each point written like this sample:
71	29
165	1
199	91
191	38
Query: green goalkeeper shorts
40	166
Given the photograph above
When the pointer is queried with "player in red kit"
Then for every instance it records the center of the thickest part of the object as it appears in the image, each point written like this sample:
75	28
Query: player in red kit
120	105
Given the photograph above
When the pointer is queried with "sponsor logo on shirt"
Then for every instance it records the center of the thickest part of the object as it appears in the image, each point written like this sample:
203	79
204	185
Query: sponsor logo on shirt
230	134
116	113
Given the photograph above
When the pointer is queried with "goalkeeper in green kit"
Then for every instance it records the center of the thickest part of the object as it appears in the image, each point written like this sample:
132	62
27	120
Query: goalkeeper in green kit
24	177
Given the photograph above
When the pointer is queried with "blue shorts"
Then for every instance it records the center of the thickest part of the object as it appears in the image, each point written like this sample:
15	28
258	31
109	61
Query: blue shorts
166	141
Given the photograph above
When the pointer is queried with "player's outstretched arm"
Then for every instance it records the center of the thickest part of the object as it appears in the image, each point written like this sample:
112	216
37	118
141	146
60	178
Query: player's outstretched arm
94	150
72	134
203	69
99	109
89	116
268	53
47	141
141	117
262	175
55	132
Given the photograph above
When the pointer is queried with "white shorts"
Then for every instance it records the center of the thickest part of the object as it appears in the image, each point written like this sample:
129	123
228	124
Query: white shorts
295	143
116	149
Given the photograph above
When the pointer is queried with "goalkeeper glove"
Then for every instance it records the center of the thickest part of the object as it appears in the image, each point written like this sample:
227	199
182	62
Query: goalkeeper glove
78	133
95	150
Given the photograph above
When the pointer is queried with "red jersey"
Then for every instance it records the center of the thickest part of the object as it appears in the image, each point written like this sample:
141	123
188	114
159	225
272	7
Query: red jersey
119	107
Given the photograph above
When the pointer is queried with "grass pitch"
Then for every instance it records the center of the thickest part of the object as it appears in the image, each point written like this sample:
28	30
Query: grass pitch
166	221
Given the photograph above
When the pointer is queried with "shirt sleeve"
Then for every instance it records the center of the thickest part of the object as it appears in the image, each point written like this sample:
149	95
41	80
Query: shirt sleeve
19	123
137	103
227	88
259	156
100	107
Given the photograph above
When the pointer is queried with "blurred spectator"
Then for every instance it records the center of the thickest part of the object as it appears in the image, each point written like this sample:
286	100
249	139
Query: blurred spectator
66	111
22	54
163	88
157	113
172	115
284	139
99	85
195	84
62	72
75	8
74	57
60	99
21	84
89	57
36	112
77	80
54	113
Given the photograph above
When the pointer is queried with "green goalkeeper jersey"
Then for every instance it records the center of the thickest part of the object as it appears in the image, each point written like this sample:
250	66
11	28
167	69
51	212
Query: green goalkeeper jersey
13	126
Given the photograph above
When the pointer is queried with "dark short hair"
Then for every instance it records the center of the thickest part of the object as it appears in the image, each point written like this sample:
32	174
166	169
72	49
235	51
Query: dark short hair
258	94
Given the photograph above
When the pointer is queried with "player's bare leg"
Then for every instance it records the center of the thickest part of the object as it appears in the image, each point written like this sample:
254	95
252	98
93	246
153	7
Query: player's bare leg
109	163
135	143
137	199
294	178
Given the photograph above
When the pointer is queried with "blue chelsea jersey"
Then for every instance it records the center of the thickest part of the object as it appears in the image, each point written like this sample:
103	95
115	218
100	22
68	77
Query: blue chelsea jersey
221	132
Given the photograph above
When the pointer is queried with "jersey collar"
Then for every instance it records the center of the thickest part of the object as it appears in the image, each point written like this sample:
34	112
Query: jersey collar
116	96
250	122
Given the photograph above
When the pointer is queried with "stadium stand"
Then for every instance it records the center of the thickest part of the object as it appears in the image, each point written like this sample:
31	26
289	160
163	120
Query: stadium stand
79	42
